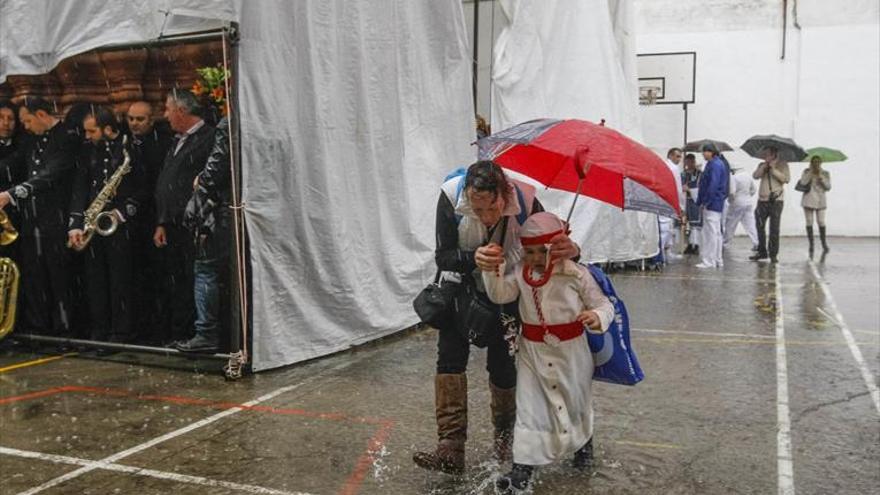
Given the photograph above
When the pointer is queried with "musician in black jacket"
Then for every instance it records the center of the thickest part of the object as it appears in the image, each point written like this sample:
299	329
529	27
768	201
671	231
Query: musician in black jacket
185	159
149	143
42	200
108	262
10	141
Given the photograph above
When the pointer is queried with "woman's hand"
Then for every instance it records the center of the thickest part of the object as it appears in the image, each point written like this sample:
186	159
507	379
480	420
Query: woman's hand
489	257
590	320
563	248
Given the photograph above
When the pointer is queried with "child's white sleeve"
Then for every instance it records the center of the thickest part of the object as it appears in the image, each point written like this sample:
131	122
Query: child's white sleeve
501	289
595	300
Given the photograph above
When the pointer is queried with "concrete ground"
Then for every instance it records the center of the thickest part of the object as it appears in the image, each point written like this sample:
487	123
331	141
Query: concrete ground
745	393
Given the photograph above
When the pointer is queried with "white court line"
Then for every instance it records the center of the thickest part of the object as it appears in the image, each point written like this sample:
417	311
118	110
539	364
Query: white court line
704	334
182	478
173	434
784	462
848	336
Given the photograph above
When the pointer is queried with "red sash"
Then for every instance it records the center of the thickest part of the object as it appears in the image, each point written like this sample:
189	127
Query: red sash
565	331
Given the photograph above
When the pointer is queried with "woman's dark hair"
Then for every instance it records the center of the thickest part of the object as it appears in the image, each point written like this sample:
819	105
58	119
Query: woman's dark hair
486	175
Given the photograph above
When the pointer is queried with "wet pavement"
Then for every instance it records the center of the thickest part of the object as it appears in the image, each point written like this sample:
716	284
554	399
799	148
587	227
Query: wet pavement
707	418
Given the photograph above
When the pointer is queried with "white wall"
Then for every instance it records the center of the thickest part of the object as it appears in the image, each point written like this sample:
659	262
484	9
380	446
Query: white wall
826	92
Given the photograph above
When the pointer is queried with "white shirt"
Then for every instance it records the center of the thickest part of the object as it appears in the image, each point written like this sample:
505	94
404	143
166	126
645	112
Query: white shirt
192	130
676	172
742	189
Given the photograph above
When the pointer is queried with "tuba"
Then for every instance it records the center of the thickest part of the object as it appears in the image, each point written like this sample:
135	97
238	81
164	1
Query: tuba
8	234
9	276
98	221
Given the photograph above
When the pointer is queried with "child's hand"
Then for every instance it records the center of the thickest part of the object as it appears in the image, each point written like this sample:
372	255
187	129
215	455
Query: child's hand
590	319
489	257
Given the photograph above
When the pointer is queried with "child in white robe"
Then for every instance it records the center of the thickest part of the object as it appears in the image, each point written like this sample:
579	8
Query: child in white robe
558	299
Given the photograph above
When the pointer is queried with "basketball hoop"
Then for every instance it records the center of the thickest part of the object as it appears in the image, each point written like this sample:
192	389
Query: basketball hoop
648	95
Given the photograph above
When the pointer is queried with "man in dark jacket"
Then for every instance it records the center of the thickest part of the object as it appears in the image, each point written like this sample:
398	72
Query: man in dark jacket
208	218
42	200
108	262
10	142
186	158
149	144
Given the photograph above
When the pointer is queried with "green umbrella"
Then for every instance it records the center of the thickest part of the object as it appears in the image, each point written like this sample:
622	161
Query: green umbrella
826	154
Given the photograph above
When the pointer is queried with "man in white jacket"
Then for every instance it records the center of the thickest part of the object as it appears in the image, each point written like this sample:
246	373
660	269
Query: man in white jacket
742	208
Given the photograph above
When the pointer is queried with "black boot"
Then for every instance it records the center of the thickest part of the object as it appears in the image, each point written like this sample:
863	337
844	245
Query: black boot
696	249
583	458
810	238
519	478
822	238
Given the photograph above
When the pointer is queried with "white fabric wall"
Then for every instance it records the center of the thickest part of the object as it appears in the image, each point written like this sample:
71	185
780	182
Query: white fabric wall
825	92
574	59
352	114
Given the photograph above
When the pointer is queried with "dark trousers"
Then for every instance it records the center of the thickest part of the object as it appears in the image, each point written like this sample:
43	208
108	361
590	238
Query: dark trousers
177	285
45	291
147	281
453	352
773	211
108	274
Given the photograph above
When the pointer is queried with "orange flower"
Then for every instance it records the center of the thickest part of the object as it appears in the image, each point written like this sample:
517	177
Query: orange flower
217	93
197	88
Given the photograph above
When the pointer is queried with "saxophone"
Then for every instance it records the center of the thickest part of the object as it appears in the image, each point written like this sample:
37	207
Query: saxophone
96	220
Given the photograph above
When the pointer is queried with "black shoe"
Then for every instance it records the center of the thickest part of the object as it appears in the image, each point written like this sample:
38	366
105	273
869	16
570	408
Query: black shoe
774	260
197	344
696	250
519	478
583	458
758	257
689	249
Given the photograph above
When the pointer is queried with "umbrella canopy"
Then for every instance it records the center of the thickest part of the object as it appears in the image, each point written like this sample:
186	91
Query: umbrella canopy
698	145
788	150
826	154
582	157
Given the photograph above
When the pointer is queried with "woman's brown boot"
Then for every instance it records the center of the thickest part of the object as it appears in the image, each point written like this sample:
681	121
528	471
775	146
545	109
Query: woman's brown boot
503	418
450	398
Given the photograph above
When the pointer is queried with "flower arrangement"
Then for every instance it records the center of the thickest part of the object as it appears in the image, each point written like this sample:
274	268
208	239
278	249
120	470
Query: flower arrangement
211	85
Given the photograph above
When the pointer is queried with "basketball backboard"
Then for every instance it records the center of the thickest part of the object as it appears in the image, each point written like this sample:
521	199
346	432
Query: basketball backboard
667	78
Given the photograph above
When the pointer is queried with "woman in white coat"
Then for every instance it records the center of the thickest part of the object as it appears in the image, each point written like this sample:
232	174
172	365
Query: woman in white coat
814	183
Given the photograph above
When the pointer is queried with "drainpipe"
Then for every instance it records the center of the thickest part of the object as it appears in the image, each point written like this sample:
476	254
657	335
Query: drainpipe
784	26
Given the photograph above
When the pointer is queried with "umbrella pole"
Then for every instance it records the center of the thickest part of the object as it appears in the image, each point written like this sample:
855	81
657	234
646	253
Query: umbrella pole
573	202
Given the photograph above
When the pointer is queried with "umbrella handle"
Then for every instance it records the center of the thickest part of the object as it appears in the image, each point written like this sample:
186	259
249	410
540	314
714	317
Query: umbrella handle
574	201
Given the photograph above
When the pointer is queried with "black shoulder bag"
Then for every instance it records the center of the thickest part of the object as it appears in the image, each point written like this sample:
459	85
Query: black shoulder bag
435	304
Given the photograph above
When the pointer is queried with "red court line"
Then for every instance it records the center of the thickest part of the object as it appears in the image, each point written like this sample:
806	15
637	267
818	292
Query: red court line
34	395
356	479
352	484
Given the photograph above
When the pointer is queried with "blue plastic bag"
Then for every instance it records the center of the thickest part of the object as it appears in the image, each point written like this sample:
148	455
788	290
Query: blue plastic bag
613	356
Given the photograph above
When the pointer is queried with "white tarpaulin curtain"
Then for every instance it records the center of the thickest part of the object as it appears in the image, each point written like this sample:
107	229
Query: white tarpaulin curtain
352	113
575	59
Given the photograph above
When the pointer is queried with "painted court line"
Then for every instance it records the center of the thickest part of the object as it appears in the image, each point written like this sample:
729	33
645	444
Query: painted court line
650	445
784	462
35	362
704	334
848	336
150	473
174	434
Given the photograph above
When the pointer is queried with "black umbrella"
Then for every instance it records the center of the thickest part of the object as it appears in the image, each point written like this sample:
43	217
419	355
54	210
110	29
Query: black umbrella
788	150
698	145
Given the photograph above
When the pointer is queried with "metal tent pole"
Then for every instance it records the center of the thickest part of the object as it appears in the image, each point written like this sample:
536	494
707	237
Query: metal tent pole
112	345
